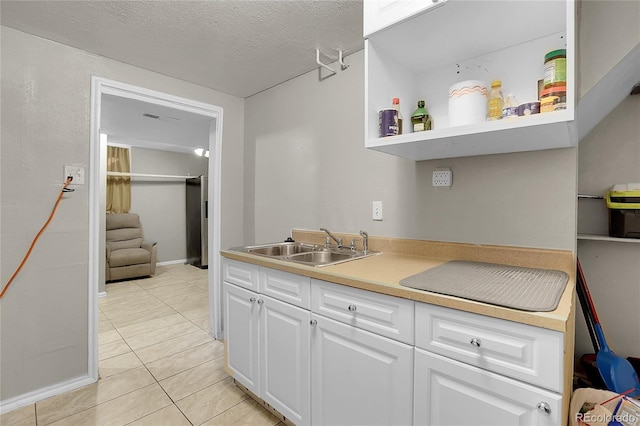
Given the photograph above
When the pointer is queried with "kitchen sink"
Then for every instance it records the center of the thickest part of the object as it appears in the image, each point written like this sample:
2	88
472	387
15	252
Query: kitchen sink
323	257
280	249
306	254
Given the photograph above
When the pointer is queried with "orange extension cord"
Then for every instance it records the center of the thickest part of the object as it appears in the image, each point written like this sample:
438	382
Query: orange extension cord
33	243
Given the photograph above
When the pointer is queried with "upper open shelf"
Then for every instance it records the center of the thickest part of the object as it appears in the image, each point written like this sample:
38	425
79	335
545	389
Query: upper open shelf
423	55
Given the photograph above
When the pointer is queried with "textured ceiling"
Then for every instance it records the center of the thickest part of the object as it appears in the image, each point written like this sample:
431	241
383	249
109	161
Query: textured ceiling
240	47
124	121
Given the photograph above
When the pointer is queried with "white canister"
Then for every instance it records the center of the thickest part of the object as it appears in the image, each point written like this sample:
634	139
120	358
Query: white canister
468	103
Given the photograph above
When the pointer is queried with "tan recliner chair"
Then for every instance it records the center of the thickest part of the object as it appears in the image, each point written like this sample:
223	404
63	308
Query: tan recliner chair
128	254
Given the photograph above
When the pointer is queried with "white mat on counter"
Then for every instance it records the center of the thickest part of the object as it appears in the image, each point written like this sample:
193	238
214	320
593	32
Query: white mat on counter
514	287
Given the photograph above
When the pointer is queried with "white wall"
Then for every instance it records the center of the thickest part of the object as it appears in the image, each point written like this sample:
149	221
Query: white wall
161	203
608	30
305	144
46	124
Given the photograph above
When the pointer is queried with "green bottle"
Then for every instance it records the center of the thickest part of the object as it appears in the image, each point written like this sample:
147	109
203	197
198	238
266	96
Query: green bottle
420	118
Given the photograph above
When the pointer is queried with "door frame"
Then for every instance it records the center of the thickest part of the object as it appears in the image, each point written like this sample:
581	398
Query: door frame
97	197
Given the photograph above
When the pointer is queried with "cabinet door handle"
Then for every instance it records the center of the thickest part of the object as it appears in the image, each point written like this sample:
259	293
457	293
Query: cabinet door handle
352	308
544	408
260	301
252	299
313	322
476	342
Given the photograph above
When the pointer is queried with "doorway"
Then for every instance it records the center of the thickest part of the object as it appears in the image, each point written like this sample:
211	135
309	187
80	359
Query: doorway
97	201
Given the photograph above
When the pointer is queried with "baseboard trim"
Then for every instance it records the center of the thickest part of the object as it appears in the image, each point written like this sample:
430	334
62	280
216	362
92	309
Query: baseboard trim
32	397
102	294
171	262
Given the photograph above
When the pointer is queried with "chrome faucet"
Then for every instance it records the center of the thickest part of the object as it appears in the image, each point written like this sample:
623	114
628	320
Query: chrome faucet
365	242
331	237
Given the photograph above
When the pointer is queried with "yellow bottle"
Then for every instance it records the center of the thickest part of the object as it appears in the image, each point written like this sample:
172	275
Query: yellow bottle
496	101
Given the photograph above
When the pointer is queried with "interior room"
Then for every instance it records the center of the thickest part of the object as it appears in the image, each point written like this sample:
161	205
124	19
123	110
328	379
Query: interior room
289	111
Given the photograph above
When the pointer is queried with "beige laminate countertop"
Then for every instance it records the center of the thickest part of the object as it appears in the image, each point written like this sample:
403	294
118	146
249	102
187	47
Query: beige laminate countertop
382	274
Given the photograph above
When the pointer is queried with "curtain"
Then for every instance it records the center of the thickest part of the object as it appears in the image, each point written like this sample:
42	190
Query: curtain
118	187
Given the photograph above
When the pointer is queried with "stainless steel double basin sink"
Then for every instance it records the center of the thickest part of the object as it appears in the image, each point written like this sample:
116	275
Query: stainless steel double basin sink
303	253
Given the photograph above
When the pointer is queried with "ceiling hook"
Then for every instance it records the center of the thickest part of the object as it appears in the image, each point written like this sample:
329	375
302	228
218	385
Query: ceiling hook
323	65
343	66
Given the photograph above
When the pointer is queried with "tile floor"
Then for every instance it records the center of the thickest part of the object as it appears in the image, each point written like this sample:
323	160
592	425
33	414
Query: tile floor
158	364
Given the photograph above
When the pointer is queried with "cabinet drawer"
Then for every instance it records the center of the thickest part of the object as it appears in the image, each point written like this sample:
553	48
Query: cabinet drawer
240	273
528	353
381	314
285	286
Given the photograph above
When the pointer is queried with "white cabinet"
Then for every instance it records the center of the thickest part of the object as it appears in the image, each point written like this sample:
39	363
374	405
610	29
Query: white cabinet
450	393
358	377
436	47
351	359
267	340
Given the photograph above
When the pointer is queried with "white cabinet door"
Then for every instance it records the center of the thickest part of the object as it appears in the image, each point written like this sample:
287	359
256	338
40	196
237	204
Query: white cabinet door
450	393
242	335
284	364
357	377
380	14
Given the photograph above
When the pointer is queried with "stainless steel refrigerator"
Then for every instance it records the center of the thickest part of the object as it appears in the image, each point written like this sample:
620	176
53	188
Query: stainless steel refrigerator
197	218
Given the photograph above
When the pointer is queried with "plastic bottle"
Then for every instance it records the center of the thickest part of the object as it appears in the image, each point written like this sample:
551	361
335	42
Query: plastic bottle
420	119
495	101
396	105
510	108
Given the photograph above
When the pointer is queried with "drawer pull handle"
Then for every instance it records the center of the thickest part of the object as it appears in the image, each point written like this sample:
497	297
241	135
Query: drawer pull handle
476	342
313	322
352	308
260	301
544	408
253	299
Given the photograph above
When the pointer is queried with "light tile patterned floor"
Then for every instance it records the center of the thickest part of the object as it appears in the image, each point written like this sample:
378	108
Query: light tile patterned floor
158	364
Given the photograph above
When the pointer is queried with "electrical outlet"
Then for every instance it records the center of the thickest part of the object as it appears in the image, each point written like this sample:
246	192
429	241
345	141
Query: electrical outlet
442	177
76	172
377	210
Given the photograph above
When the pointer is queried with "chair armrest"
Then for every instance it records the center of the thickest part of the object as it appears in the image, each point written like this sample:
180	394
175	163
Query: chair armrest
152	247
148	245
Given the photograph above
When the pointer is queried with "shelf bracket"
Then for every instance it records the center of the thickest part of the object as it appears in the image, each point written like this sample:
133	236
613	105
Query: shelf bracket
591	197
343	66
323	65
